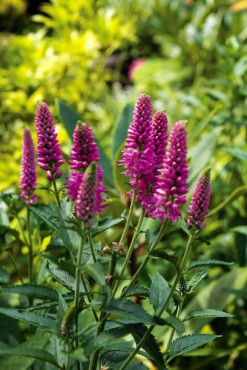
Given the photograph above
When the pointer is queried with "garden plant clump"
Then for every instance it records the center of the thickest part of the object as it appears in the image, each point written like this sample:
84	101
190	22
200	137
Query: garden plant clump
89	293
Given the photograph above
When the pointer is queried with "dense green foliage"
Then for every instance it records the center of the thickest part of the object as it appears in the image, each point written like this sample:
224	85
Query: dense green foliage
195	67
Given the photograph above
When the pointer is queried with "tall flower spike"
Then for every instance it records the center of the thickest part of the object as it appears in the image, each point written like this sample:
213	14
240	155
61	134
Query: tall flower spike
198	208
89	196
84	152
171	187
148	183
160	134
28	170
50	156
138	154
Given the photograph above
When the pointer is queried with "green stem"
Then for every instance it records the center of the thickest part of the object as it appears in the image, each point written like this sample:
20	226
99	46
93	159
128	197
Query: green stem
129	253
166	303
126	227
22	230
67	364
77	289
173	330
56	193
147	258
88	296
94	360
123	236
15	266
90	239
30	249
95	356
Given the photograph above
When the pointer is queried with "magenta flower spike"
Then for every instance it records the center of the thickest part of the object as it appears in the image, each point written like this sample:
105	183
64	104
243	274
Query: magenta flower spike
171	187
89	197
84	152
160	134
50	156
148	183
138	153
85	149
28	169
199	205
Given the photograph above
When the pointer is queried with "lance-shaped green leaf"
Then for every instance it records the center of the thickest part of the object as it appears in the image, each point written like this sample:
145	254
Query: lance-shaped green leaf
47	216
174	322
150	346
208	263
34	291
30	318
39	341
159	292
160	253
38	354
63	277
196	280
208	312
107	224
136	290
128	310
188	343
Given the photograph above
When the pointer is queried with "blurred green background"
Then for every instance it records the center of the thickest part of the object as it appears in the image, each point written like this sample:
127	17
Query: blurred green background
95	58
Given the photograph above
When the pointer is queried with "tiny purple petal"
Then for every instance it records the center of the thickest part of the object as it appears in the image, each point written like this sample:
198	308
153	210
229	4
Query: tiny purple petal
50	156
28	170
199	205
172	185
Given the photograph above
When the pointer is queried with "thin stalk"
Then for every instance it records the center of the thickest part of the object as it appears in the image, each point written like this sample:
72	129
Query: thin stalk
15	266
30	249
94	360
174	285
173	330
88	296
123	236
95	356
56	193
77	290
147	258
90	239
126	227
129	253
67	363
22	230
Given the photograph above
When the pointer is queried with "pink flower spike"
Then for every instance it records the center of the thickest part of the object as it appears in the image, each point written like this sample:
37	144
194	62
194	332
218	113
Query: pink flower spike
28	170
160	134
89	197
138	153
50	156
172	185
199	205
85	149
